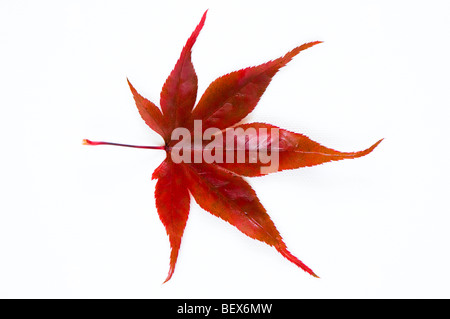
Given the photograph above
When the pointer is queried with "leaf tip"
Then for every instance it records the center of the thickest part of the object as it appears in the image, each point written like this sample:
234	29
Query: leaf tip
131	86
169	275
311	44
171	269
370	149
282	249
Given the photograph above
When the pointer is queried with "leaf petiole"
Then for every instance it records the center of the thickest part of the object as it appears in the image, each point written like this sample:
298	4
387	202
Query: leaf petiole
89	142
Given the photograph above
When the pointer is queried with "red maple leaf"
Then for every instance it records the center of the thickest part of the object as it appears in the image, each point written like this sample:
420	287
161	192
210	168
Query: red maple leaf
205	160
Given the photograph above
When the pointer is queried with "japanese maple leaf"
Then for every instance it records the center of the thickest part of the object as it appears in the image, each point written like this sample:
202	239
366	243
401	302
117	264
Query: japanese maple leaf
218	186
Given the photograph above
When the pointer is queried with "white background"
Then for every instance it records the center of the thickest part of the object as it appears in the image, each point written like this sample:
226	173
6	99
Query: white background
80	222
